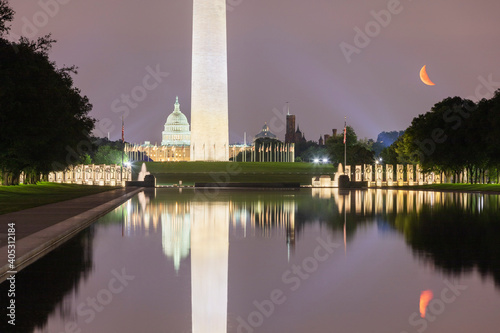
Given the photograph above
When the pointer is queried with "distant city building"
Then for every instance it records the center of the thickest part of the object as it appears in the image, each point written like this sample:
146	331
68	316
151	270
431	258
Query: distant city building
328	136
290	128
299	137
176	144
176	131
292	135
320	141
265	133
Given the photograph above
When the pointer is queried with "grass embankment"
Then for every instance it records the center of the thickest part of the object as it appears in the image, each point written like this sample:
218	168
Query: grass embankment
234	172
16	198
459	187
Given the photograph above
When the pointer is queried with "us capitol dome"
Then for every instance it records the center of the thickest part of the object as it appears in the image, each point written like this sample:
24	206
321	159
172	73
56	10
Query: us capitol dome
176	131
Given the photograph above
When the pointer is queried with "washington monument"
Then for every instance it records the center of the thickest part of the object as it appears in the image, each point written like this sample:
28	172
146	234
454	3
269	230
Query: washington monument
209	96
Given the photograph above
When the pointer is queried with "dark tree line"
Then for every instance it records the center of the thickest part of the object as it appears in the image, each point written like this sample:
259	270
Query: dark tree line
44	122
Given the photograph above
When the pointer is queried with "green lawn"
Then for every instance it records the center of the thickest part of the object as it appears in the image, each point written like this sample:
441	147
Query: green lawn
234	172
15	198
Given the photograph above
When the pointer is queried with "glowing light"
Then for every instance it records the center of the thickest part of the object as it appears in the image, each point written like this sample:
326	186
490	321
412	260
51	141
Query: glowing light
316	160
425	298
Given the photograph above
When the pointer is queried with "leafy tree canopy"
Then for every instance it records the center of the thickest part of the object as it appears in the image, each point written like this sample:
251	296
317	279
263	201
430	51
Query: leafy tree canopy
44	122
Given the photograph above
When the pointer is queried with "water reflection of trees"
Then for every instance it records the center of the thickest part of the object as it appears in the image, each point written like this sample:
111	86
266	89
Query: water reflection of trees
42	287
457	232
454	239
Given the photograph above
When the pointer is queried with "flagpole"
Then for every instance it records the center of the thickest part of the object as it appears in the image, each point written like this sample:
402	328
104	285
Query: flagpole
123	148
345	145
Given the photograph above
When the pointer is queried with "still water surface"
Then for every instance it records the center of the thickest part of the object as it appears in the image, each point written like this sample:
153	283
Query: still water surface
294	262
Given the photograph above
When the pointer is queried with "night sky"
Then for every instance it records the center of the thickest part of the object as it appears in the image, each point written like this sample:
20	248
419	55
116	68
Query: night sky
278	51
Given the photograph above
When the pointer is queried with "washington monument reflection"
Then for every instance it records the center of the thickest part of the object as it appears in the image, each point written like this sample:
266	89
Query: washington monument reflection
200	229
209	266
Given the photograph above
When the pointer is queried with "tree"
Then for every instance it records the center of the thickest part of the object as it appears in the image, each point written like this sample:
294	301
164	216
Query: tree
357	153
302	146
455	135
6	16
44	122
487	120
86	159
109	155
314	152
389	155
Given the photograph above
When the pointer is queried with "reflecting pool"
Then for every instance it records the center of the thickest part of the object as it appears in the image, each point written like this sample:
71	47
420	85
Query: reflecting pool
314	260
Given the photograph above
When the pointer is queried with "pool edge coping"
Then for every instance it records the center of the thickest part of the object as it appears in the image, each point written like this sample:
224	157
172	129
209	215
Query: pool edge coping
33	247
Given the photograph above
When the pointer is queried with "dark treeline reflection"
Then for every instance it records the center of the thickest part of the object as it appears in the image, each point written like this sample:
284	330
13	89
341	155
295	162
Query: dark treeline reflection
42	287
456	240
457	232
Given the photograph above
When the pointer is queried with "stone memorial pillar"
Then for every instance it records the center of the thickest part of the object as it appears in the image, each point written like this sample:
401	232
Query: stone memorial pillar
368	176
410	175
400	174
437	178
390	174
358	173
68	179
78	174
379	176
118	176
89	174
348	171
112	175
420	175
429	178
59	177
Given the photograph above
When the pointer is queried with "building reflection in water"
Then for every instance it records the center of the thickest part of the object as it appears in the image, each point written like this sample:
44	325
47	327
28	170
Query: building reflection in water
247	218
270	218
176	231
380	201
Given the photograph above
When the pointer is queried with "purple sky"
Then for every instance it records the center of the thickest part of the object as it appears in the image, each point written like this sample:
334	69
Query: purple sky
279	51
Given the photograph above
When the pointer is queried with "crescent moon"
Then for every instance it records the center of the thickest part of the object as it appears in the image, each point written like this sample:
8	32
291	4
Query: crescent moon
425	78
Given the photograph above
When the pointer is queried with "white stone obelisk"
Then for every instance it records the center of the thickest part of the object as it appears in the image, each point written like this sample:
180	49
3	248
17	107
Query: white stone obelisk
209	94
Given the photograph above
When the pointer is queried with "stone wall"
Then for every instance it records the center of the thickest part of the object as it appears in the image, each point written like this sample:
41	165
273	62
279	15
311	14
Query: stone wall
92	174
380	175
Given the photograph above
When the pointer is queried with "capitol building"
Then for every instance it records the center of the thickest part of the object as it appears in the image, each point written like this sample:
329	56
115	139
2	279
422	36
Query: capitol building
176	142
176	131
